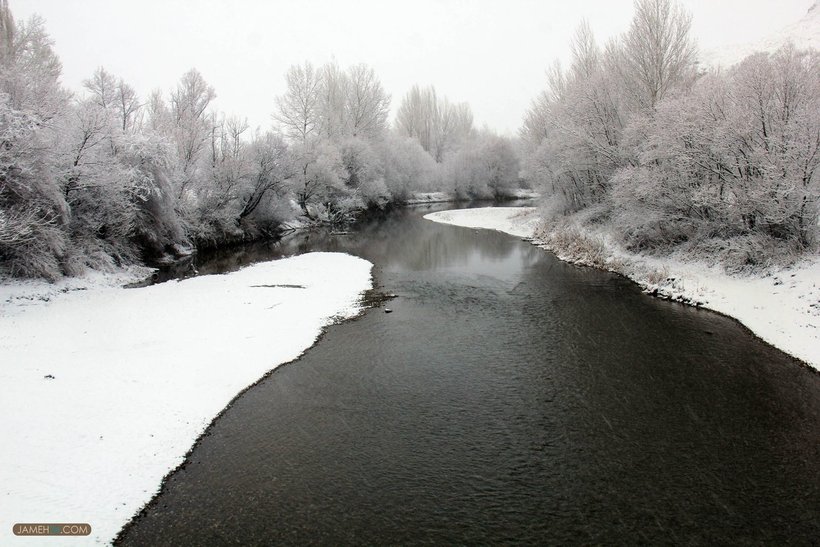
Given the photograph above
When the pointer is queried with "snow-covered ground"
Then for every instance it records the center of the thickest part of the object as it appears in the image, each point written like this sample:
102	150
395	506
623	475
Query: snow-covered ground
781	307
104	390
17	295
445	197
522	193
430	197
518	221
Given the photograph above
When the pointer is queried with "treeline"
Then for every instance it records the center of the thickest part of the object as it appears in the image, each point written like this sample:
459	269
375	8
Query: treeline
105	178
721	162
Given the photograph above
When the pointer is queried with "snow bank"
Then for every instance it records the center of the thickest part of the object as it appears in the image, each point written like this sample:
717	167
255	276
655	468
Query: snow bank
782	307
445	197
105	390
18	294
521	193
518	221
430	197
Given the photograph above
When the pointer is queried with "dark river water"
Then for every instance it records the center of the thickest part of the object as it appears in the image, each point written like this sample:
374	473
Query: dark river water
510	398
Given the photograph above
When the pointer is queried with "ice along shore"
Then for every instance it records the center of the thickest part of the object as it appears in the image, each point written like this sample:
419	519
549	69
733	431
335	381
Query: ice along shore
105	390
781	307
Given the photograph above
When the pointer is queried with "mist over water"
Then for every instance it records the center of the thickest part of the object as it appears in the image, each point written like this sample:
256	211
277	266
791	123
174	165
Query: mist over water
509	398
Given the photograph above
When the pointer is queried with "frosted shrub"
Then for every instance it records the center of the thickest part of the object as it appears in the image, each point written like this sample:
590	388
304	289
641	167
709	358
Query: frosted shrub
724	161
407	167
656	277
39	256
437	124
648	210
569	242
594	215
746	253
374	193
33	211
342	211
364	172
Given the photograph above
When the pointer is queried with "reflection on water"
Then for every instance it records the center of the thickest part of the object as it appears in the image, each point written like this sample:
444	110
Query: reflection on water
375	234
510	398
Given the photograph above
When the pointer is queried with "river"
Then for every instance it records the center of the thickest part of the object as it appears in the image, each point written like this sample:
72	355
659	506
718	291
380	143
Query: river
508	398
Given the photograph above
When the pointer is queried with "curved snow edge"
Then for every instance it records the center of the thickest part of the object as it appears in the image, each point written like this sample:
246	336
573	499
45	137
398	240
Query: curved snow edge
781	307
106	390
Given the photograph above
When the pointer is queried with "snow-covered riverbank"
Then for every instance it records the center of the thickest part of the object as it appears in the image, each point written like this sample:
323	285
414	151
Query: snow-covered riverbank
448	197
782	307
105	390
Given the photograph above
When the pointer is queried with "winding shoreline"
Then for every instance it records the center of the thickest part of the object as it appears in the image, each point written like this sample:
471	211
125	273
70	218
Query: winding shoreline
781	308
107	389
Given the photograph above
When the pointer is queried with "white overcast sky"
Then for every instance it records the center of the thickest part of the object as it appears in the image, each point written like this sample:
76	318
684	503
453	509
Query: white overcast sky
492	54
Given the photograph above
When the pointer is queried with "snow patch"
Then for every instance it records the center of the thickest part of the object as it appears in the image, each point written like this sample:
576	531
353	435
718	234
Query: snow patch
521	193
780	306
18	294
431	197
104	390
446	197
518	221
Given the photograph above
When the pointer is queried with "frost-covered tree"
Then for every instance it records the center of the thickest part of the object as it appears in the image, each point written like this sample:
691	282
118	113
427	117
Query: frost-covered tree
333	103
114	97
158	114
417	116
657	53
364	172
330	117
439	125
407	166
102	179
455	126
574	128
121	175
500	164
222	172
318	177
34	212
211	169
724	163
127	106
366	103
486	167
30	69
191	128
736	159
103	197
333	84
298	110
116	180
102	89
151	160
271	166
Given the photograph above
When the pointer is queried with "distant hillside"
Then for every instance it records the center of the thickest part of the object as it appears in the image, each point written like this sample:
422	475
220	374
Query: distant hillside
804	33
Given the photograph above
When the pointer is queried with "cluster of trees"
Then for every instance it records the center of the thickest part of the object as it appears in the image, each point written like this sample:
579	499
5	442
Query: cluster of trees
638	135
343	156
438	125
347	158
104	178
471	163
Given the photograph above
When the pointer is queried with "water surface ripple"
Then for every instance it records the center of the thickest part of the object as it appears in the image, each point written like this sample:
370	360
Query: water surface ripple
509	398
